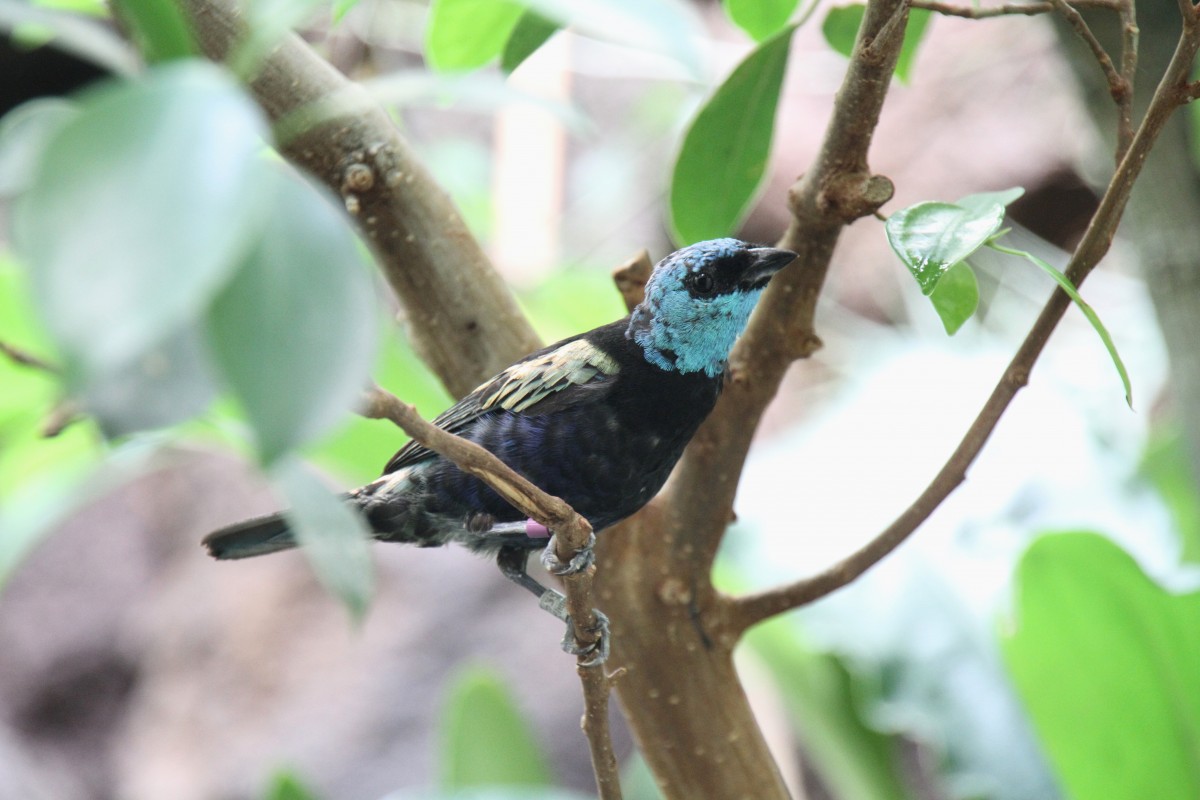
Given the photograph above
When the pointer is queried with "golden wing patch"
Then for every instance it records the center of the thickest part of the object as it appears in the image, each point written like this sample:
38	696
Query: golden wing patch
525	384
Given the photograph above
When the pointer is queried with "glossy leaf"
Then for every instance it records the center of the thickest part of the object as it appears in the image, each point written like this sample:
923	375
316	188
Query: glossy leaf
465	34
1093	318
24	134
981	203
159	28
841	25
761	19
334	538
532	31
725	150
140	209
1106	661
932	237
956	297
294	331
485	739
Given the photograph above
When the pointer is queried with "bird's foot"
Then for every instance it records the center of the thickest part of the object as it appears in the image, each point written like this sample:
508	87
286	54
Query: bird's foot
596	652
584	557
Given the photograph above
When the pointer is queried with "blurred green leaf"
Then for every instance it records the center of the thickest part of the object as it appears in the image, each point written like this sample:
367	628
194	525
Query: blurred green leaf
83	36
92	8
637	781
918	20
931	237
170	382
1092	317
286	785
139	210
1106	661
334	538
668	27
852	759
360	447
531	32
294	331
266	23
761	19
725	150
841	29
465	34
159	28
1166	465
24	134
341	8
485	739
955	297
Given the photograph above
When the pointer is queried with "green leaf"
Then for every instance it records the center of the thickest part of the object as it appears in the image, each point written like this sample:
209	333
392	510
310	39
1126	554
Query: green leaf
1167	467
1106	661
956	297
1092	317
841	25
286	785
294	331
761	19
852	759
531	32
918	20
333	537
341	8
466	34
24	134
932	237
139	210
485	740
724	154
980	204
159	28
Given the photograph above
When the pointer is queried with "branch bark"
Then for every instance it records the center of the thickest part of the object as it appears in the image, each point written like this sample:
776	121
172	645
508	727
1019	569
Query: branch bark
571	534
462	317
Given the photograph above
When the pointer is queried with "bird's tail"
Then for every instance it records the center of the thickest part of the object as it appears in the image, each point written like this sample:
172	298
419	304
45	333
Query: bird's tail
254	537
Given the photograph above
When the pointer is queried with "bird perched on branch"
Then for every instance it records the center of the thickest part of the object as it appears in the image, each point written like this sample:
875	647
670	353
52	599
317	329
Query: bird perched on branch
598	419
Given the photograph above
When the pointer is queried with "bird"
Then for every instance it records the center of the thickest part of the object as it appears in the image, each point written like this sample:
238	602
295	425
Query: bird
598	419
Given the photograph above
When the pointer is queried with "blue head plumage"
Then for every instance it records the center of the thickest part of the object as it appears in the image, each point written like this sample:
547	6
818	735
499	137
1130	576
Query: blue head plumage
698	301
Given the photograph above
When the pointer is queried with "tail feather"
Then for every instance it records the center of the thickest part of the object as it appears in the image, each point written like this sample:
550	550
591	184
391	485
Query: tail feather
254	537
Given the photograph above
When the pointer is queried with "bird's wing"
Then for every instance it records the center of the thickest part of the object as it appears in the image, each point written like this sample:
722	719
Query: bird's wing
568	374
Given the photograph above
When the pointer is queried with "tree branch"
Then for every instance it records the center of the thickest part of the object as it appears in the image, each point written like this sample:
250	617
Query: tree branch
1006	9
463	319
1119	88
571	534
19	355
1172	92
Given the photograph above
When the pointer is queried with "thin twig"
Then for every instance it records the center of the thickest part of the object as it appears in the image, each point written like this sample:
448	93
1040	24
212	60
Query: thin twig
1172	92
1006	9
571	534
1119	88
1129	60
23	357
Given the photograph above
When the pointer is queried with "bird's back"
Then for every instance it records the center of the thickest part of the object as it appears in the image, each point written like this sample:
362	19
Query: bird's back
605	445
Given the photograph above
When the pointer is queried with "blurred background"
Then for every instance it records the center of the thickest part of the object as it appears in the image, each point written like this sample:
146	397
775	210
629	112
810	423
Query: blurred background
132	666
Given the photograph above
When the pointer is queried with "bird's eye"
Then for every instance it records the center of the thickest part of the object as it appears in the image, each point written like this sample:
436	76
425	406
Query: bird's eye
702	284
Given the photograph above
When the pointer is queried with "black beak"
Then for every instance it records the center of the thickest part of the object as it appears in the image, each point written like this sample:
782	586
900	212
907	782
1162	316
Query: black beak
767	261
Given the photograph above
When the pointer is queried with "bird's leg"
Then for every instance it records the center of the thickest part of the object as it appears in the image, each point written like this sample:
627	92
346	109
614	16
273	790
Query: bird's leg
512	562
584	557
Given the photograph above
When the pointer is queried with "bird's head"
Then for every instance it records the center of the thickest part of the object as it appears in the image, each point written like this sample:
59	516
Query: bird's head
698	300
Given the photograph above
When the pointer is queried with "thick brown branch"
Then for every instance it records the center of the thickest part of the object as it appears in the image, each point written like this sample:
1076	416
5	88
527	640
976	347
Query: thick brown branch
571	534
463	319
1170	95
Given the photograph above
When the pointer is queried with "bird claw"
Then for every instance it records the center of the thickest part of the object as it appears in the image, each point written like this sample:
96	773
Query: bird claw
556	604
584	557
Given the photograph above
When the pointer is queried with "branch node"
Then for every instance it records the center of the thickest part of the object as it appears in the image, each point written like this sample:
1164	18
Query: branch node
631	278
850	196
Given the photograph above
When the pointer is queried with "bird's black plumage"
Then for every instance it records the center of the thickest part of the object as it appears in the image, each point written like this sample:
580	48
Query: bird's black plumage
598	419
